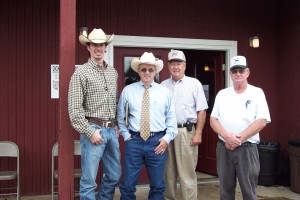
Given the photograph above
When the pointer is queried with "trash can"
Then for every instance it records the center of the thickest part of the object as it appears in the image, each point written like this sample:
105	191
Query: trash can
294	151
269	153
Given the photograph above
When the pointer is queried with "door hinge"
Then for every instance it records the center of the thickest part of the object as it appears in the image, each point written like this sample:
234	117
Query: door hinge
223	67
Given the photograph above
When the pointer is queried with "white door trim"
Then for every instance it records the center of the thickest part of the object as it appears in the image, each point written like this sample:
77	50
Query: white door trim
230	47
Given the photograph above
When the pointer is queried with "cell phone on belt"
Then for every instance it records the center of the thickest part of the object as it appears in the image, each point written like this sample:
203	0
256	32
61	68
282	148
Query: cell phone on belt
189	126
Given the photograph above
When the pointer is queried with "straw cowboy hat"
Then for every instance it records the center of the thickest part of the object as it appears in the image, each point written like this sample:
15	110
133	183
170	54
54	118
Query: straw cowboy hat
147	58
96	36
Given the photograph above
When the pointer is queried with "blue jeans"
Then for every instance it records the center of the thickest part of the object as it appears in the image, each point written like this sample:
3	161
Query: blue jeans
91	155
137	153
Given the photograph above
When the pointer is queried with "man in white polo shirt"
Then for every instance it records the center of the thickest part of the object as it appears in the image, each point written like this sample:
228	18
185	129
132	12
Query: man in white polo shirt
239	113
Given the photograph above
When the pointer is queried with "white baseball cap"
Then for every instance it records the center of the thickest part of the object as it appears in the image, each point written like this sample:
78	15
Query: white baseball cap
176	55
238	61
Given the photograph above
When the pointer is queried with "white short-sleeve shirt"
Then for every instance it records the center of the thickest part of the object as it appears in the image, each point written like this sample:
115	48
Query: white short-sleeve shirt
236	112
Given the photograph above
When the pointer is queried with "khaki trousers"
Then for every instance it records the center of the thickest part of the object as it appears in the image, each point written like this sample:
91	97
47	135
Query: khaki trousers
181	164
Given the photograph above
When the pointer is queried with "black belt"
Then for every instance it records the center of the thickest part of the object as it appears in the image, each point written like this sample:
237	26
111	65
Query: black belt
244	144
181	125
151	133
103	123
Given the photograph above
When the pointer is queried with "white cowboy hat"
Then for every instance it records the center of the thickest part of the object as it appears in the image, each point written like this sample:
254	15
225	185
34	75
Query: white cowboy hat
96	36
147	58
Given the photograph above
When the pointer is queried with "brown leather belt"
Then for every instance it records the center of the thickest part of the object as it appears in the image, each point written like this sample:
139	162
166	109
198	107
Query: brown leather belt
103	123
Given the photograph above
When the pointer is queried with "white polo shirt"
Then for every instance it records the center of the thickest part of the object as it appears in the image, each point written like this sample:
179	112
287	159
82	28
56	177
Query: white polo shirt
236	112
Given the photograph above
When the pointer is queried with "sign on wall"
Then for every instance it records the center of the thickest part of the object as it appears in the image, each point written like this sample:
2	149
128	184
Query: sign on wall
55	80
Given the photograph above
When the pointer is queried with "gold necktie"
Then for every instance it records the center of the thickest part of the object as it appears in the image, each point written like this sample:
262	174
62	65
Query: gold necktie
145	115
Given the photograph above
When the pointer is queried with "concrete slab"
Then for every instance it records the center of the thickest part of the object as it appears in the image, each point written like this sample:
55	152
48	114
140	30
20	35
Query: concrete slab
208	188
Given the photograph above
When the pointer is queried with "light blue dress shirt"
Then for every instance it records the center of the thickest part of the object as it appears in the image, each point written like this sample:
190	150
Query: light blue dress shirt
162	111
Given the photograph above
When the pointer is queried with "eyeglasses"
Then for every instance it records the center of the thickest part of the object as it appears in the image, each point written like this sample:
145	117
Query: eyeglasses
241	71
96	45
150	70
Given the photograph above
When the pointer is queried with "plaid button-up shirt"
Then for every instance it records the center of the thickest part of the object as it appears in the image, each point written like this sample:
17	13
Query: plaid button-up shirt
92	93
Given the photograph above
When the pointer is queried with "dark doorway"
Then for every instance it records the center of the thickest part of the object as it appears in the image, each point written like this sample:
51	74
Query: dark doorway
213	79
207	67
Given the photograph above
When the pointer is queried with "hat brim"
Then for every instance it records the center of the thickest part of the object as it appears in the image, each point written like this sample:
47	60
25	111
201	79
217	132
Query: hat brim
136	62
238	66
176	60
84	40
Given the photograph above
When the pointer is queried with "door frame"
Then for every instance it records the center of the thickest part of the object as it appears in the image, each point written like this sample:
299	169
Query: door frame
229	46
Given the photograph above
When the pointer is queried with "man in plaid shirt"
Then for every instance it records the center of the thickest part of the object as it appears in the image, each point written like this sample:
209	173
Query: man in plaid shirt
92	104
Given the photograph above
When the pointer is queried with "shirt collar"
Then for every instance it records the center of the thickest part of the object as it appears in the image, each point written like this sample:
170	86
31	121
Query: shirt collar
97	66
151	85
174	82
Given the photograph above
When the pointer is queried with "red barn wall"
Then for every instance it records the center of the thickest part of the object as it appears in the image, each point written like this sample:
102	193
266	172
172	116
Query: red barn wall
288	69
29	45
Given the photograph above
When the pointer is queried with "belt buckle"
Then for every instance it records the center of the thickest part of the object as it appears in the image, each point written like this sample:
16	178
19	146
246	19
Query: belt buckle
108	124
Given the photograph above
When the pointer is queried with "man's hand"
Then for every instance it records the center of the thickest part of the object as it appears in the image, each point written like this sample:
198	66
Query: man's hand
96	137
233	142
196	140
161	148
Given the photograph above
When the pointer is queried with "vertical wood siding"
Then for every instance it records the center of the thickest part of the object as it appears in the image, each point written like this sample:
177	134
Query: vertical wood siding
29	45
288	64
29	117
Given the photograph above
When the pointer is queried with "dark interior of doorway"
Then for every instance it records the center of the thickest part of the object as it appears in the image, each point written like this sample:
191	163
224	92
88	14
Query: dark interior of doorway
207	67
203	65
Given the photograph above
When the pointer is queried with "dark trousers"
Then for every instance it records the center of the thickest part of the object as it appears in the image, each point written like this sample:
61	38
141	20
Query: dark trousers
242	164
137	154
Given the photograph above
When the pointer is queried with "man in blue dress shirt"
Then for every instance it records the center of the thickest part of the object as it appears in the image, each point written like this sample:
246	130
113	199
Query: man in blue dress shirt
150	152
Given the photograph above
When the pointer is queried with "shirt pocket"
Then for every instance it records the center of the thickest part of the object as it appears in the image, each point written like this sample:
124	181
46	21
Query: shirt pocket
250	111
